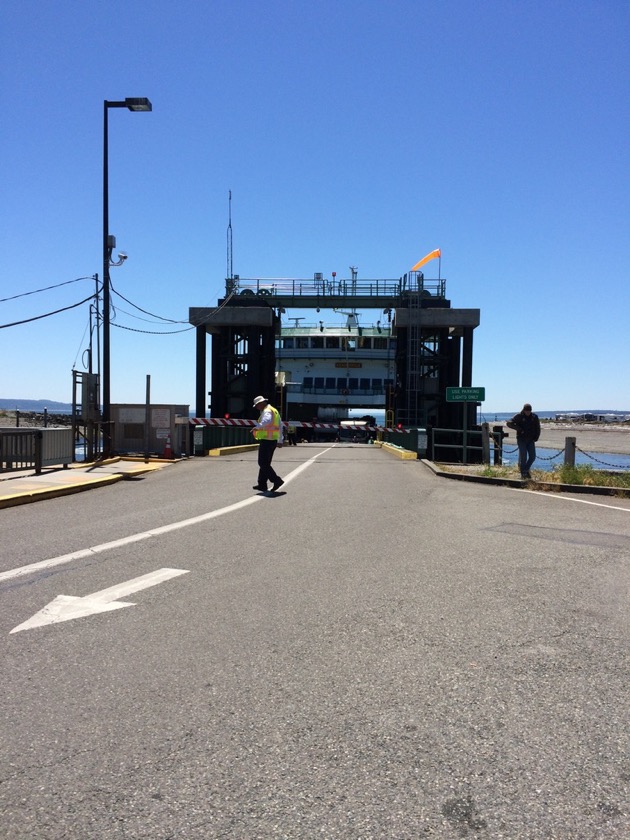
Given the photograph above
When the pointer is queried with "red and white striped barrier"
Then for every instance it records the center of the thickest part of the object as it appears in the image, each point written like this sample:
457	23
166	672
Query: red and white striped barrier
220	421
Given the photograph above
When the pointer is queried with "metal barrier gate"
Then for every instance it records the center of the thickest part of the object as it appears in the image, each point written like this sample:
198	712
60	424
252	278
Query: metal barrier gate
447	441
23	449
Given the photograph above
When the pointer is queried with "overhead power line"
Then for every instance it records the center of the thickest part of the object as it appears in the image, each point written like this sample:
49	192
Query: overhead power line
146	312
91	298
153	332
47	315
45	289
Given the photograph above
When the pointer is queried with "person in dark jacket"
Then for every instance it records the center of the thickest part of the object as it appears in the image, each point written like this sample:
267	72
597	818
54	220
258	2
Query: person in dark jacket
527	427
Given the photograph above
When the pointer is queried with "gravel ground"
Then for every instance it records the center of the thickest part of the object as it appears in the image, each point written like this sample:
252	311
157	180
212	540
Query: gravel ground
32	419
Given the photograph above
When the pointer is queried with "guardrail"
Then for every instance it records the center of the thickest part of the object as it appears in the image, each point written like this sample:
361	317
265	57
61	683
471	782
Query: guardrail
331	289
23	449
458	441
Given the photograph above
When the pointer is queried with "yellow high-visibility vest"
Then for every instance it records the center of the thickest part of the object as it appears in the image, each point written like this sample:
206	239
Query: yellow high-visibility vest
272	431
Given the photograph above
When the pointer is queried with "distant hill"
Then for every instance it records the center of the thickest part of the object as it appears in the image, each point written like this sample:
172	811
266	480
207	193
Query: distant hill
35	405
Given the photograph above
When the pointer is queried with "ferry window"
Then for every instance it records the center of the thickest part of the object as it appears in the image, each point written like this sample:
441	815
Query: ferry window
353	384
342	383
319	381
308	382
317	342
349	343
332	341
377	384
380	343
330	382
301	342
288	344
365	343
365	384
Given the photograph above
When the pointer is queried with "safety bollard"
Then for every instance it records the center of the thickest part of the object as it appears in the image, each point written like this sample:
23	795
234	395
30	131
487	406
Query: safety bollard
485	443
498	434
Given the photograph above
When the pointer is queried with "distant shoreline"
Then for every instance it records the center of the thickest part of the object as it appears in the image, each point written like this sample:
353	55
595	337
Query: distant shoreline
611	438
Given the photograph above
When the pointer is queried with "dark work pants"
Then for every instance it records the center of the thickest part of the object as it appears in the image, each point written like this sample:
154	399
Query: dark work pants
526	454
266	472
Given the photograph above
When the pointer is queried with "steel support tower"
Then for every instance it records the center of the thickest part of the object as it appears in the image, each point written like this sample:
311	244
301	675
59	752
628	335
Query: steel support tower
434	342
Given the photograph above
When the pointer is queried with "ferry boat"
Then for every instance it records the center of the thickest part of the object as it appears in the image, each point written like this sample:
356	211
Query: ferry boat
323	372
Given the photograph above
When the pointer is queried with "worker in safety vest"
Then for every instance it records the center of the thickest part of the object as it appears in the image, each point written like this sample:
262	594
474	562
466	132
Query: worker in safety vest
268	432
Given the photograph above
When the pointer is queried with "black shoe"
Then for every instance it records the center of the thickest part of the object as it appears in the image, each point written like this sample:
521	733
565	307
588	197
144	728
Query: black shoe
277	484
258	487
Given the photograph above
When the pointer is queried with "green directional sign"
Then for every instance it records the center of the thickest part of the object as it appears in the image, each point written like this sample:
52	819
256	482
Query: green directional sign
465	394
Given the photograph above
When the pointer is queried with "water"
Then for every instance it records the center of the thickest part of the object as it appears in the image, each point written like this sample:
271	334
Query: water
547	459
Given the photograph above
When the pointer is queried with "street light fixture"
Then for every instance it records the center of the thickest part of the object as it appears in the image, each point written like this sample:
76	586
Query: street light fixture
109	243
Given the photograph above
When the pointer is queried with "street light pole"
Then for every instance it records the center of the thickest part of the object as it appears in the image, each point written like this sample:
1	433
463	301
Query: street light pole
132	104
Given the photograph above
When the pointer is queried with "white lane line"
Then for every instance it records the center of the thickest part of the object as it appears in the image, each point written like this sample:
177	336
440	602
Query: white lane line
565	499
144	535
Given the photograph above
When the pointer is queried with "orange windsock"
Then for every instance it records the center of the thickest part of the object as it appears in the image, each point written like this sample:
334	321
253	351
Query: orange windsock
431	256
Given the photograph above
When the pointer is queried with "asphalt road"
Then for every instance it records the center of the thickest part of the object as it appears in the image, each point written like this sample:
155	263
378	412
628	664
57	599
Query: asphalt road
377	653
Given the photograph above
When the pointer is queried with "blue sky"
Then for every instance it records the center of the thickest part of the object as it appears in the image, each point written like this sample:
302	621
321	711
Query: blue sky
350	133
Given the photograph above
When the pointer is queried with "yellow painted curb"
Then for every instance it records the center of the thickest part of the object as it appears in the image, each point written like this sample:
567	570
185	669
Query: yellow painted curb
403	454
126	459
52	492
78	465
140	459
233	450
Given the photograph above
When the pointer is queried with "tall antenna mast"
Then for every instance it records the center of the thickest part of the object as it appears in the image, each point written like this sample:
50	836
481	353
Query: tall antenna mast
229	275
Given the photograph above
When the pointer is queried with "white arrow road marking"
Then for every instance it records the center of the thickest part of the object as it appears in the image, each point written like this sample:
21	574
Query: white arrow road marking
68	607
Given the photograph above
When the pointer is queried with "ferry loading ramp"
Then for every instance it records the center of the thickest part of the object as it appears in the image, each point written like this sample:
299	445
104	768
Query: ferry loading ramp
435	341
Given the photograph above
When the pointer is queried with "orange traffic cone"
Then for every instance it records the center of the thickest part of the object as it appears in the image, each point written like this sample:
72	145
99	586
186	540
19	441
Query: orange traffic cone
168	449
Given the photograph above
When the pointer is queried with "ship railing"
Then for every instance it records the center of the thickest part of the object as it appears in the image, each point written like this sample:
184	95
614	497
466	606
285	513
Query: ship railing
345	392
327	289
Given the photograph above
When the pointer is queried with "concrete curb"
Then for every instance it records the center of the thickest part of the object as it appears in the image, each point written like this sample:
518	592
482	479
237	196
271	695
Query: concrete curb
25	498
547	486
403	454
232	450
78	477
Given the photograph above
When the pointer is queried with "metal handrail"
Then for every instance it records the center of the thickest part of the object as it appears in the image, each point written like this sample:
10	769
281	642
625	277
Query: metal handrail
326	288
22	449
464	447
19	449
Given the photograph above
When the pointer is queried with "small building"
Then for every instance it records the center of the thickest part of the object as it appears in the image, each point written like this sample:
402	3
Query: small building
167	427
